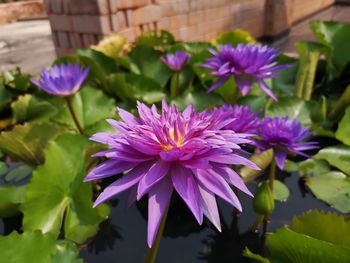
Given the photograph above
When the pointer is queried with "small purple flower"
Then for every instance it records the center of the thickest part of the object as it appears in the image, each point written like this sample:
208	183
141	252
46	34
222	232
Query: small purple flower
284	135
176	61
247	63
63	80
186	152
244	119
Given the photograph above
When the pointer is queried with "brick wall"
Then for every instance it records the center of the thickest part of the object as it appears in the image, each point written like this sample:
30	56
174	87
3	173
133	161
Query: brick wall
80	23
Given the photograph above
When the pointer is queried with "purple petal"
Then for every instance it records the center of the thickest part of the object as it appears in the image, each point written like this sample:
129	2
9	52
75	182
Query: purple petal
280	157
186	185
158	201
266	89
244	84
218	83
157	172
122	184
107	169
209	207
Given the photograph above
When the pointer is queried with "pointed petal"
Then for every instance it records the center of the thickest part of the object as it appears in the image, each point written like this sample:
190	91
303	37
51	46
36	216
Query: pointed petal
244	84
107	169
186	185
280	157
266	89
157	172
209	207
218	186
158	201
218	83
122	184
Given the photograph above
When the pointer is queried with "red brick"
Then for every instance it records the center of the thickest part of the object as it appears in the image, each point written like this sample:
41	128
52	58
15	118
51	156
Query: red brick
178	21
89	39
88	7
61	22
63	40
130	33
127	4
118	21
91	24
56	6
47	6
164	23
63	51
76	40
174	8
143	15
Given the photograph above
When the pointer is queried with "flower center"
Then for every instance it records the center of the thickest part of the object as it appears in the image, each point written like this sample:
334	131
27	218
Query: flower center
178	141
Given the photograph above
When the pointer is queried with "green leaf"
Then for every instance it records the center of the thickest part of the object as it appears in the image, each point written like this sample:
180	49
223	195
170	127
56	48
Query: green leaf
26	142
329	227
234	37
160	39
111	45
57	189
18	173
199	99
66	252
149	62
248	254
292	107
335	36
288	246
280	191
332	188
29	247
309	54
313	167
10	199
343	131
338	156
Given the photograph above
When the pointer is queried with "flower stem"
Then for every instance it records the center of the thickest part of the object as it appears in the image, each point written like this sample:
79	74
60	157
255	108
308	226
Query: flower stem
153	251
74	116
341	105
175	89
272	174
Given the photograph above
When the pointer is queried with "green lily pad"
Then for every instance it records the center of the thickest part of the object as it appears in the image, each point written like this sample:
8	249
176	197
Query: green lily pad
313	167
291	107
343	131
338	156
29	247
27	142
66	252
332	188
329	227
57	190
288	246
280	191
11	197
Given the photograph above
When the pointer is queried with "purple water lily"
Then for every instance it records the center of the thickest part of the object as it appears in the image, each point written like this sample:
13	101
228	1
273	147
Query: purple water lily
62	80
284	135
247	63
182	151
244	119
176	61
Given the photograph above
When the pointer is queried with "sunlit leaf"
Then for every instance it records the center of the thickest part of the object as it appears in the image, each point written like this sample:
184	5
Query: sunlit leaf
332	188
338	156
57	190
66	252
343	131
29	247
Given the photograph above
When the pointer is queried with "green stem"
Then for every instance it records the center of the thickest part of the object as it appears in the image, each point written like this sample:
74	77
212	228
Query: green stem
74	116
272	173
258	221
341	105
175	89
153	251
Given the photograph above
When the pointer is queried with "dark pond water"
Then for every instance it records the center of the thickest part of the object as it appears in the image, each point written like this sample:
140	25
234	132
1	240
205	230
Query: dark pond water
122	238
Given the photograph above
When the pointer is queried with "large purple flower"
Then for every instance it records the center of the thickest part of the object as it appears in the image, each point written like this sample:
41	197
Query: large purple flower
184	151
247	63
244	119
176	61
62	80
284	135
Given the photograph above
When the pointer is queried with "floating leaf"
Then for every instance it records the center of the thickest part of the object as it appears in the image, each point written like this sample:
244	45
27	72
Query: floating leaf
338	156
343	131
329	227
292	107
57	190
313	167
66	252
111	45
280	191
199	99
332	188
27	142
10	199
248	254
29	247
288	246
